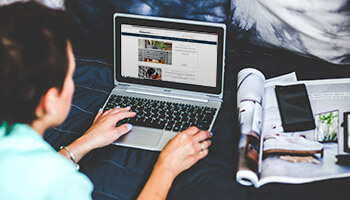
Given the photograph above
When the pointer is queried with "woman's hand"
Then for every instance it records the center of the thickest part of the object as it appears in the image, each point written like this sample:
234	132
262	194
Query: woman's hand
184	150
102	132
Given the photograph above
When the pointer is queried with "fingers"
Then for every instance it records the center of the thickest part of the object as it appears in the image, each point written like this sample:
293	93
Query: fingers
202	135
192	130
124	128
202	150
202	154
116	114
199	134
203	146
185	149
117	110
122	115
199	137
99	114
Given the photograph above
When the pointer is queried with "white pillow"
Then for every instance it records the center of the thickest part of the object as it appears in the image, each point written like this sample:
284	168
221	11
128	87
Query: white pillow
57	4
318	28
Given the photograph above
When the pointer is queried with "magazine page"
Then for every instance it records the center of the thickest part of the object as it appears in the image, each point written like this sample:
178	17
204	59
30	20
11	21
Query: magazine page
306	156
250	92
325	95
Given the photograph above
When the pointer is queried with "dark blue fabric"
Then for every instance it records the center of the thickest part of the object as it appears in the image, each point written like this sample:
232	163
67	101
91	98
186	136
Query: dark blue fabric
94	18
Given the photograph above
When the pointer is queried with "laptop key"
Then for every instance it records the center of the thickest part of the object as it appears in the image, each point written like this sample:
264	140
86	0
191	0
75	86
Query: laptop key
176	129
169	126
177	126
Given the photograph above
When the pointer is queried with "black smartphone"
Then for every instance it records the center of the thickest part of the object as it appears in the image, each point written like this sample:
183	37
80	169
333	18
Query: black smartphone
295	109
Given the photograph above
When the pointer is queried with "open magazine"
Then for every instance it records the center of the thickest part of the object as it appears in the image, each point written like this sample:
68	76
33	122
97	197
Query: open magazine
267	153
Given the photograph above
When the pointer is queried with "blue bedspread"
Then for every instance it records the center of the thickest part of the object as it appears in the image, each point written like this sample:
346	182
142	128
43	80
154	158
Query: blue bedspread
120	172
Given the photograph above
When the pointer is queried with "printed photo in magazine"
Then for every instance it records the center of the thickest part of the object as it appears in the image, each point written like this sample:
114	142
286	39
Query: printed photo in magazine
269	154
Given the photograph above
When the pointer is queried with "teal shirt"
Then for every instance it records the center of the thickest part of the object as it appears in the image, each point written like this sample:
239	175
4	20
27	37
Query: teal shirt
31	169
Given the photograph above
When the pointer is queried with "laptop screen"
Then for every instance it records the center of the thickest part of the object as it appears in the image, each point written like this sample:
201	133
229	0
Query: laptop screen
169	54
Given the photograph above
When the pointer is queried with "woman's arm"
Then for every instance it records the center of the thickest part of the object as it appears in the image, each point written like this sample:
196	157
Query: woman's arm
184	150
101	133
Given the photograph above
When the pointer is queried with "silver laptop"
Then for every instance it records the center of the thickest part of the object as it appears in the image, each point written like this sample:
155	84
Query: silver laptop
170	72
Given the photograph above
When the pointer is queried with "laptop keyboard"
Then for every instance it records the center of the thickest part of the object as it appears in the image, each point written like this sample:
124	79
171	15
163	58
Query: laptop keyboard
162	114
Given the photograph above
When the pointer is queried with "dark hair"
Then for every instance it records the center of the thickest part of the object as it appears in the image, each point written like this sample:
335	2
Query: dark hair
33	57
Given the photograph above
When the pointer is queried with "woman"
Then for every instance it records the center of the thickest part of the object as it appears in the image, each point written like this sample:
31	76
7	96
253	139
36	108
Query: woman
36	84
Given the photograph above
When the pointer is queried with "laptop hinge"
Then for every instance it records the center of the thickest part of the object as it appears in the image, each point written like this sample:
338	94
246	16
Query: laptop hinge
167	94
214	98
123	84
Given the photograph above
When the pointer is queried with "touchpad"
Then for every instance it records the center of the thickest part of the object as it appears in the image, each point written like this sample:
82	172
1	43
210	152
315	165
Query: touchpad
141	136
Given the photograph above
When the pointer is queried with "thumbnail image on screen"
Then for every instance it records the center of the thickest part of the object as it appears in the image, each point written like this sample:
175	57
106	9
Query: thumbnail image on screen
155	51
146	72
